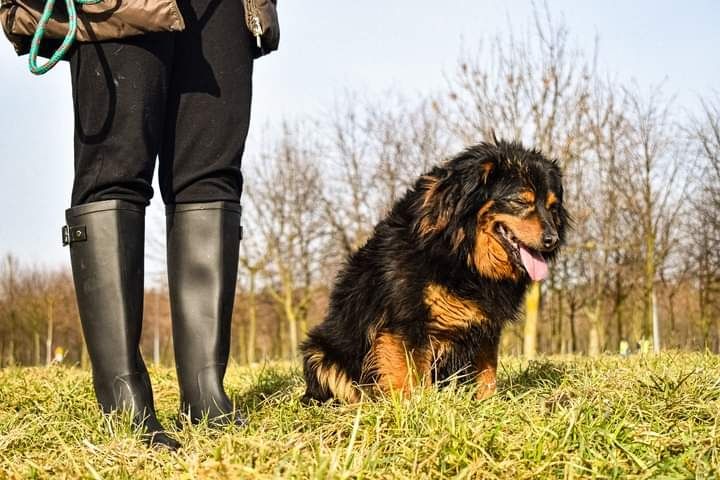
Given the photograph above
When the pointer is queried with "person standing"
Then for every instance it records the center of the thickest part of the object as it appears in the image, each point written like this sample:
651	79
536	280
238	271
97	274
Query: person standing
178	90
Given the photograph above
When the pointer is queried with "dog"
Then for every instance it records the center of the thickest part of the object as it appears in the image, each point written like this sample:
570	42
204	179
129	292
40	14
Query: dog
427	296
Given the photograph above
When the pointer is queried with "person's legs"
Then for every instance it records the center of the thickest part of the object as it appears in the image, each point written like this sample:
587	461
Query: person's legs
209	105
119	89
120	94
200	179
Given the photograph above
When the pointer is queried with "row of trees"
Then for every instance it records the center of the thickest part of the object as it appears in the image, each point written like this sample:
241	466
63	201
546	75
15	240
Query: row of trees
642	179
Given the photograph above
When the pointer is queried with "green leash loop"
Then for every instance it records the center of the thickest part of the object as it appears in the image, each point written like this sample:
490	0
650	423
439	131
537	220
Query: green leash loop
67	41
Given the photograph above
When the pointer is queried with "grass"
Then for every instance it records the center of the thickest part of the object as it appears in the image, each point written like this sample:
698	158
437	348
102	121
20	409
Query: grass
652	417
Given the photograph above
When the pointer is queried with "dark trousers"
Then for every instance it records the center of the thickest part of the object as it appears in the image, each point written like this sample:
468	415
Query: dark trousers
181	97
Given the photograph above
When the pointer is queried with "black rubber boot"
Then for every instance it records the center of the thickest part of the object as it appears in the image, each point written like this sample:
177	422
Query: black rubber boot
106	249
202	255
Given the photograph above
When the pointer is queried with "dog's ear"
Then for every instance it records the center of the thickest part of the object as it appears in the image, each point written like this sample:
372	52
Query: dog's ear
478	163
439	196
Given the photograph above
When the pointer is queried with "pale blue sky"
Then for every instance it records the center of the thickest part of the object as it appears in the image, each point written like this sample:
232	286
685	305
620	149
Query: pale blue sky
328	47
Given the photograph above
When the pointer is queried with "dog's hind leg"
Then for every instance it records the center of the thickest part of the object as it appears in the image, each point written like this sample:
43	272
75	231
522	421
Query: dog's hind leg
315	392
325	379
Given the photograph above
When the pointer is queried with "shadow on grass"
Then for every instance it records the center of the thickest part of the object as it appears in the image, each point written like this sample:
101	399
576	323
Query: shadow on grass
269	384
537	374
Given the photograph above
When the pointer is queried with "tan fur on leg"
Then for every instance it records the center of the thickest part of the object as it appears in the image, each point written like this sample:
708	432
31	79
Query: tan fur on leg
334	378
394	368
486	384
486	366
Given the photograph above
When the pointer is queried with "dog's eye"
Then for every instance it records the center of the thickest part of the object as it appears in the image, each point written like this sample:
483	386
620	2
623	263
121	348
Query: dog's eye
519	203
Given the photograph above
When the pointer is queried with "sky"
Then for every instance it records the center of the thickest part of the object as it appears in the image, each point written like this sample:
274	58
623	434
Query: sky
328	48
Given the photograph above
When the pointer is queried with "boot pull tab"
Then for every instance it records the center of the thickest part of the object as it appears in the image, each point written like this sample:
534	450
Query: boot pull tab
73	234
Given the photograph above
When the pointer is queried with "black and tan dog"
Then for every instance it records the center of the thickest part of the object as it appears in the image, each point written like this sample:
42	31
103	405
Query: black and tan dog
429	293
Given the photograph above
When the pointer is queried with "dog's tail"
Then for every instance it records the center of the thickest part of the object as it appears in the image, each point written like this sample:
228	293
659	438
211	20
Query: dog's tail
324	378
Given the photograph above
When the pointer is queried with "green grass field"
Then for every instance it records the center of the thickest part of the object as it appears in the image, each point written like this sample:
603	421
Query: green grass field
653	417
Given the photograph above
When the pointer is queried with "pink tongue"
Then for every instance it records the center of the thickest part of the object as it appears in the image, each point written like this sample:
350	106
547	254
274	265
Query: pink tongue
534	264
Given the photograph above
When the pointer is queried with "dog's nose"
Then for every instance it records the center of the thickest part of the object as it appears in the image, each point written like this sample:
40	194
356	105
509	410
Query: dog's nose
550	240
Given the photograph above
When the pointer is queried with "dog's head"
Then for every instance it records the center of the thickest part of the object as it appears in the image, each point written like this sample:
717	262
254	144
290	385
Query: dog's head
498	207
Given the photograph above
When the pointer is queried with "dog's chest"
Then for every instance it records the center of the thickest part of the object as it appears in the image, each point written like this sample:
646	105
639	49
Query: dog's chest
450	315
457	328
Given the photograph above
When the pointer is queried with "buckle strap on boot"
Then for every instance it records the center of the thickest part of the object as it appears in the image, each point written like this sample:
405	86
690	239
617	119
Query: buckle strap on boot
78	233
72	234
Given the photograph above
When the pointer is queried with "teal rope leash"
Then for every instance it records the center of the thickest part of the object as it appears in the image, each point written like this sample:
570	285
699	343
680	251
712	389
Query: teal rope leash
67	41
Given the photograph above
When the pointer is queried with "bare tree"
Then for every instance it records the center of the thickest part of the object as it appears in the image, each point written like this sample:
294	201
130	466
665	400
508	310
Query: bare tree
705	219
252	263
653	187
285	194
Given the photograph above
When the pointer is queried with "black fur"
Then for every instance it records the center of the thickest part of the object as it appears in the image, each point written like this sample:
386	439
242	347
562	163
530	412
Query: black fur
430	238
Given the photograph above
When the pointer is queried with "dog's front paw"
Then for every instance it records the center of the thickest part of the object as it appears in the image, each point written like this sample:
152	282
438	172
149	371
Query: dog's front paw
485	390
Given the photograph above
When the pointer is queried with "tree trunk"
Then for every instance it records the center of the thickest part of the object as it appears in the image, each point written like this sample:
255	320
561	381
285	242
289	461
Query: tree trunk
302	323
50	331
595	333
618	310
239	352
280	343
673	327
83	355
252	321
717	334
36	344
11	352
292	331
560	313
656	325
156	331
532	306
647	323
573	334
167	351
